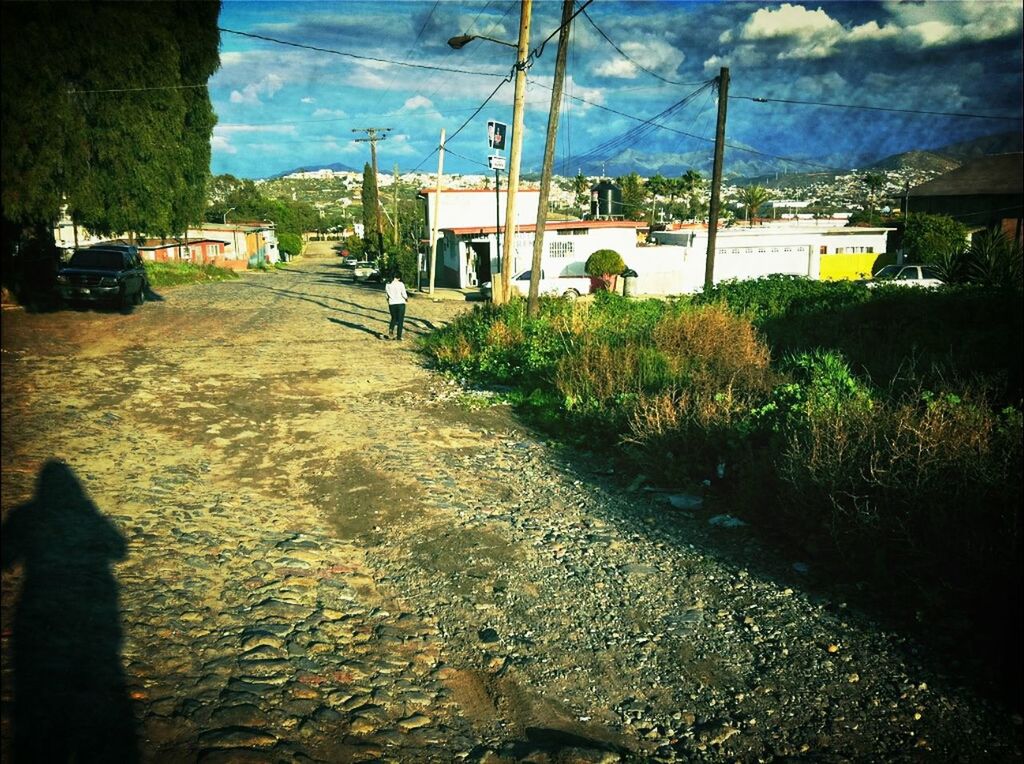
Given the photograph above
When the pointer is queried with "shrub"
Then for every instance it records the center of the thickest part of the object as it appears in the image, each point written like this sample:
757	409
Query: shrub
605	264
290	243
927	237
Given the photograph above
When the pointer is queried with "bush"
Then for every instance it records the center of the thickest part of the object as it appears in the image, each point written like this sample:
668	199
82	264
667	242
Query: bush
290	243
173	274
605	264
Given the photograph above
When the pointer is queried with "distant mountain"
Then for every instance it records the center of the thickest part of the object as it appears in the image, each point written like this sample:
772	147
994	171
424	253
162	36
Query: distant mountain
1000	143
927	161
335	166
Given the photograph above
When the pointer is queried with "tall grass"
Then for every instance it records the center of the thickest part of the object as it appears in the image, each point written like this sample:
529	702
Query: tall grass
886	425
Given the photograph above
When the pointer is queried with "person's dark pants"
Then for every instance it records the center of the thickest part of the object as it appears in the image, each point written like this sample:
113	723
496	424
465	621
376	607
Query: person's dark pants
397	319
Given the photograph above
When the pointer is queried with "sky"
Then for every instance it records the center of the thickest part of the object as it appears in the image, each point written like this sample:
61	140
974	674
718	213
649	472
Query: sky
637	84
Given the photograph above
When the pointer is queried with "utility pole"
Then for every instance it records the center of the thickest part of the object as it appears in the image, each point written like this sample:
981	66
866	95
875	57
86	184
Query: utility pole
716	176
394	186
533	303
374	134
437	212
515	155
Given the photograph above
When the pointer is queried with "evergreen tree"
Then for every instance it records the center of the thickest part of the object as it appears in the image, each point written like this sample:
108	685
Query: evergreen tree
634	195
119	131
370	202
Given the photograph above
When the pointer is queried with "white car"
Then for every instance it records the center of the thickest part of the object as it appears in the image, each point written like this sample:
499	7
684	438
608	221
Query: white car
908	275
569	287
363	270
351	262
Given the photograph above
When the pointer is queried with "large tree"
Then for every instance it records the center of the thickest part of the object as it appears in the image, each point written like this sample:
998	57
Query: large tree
105	109
634	195
370	200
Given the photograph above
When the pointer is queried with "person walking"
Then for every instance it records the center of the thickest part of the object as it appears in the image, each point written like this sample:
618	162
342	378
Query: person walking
397	298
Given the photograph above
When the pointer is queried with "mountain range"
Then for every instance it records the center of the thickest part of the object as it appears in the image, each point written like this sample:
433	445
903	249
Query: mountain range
743	168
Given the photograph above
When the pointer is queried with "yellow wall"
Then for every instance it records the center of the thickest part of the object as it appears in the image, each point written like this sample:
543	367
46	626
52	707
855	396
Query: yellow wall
849	267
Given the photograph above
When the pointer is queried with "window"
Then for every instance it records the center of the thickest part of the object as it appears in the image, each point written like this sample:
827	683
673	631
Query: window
560	249
573	231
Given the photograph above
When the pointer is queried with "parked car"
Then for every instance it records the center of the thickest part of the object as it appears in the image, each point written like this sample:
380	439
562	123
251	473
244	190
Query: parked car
907	275
363	271
569	287
351	262
104	273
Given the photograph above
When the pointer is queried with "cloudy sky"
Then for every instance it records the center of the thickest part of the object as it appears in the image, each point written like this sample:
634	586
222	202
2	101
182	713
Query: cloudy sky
636	80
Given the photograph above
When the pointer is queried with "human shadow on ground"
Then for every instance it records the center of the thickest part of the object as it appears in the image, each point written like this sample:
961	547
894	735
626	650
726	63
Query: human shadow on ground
70	698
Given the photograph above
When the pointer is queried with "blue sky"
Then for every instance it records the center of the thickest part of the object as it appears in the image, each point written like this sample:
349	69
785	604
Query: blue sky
281	106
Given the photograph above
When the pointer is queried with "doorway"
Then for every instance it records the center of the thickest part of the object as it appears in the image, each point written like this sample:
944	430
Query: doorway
480	261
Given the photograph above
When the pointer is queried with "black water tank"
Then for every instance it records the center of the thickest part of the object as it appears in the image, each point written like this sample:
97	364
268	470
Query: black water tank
605	200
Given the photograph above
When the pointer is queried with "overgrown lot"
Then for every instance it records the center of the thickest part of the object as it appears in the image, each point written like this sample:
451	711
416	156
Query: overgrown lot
174	274
880	429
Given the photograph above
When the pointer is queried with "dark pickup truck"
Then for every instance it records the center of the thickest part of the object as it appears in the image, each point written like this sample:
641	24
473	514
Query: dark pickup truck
104	273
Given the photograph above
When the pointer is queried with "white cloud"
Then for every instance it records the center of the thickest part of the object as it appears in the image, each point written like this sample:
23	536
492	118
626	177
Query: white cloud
338	113
251	93
229	127
220	143
617	67
307	99
790	21
417	102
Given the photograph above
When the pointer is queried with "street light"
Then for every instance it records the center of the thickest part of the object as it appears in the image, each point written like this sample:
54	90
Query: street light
463	39
232	209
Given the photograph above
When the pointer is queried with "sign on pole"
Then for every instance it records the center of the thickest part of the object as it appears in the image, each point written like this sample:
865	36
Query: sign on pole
496	134
496	162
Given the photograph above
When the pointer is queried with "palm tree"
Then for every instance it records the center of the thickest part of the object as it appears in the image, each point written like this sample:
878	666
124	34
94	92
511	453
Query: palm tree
688	185
874	182
752	197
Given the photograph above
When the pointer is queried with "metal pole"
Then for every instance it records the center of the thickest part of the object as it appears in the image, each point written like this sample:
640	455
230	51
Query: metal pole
437	212
533	303
497	226
516	152
716	176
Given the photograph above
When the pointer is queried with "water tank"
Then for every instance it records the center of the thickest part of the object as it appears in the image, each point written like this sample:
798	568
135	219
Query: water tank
606	200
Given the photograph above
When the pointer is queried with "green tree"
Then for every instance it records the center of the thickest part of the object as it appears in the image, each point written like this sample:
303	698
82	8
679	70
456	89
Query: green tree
118	132
873	182
691	185
752	197
931	238
581	189
370	204
634	195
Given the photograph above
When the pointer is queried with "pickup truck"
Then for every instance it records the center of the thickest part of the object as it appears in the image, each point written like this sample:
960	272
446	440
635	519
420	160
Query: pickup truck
569	287
110	273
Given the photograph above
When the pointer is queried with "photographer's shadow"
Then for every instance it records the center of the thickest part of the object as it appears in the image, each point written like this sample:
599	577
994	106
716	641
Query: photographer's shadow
70	698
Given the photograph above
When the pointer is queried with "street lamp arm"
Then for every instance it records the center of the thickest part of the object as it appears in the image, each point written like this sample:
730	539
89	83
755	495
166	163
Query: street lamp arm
462	40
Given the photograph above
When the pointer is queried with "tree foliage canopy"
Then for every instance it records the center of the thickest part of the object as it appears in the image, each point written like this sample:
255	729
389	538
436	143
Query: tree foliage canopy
105	108
930	238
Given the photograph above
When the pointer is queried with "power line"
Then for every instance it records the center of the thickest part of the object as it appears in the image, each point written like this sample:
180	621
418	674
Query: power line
876	108
633	62
357	56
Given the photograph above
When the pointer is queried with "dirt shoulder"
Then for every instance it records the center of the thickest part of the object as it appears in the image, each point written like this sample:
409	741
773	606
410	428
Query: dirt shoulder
327	556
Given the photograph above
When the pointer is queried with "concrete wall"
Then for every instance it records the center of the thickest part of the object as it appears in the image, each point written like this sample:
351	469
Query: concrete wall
466	209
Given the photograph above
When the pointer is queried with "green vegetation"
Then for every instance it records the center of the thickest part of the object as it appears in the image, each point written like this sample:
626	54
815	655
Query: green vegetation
93	115
605	264
931	238
882	428
175	274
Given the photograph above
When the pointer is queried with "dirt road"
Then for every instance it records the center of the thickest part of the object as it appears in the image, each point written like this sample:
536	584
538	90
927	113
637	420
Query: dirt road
287	540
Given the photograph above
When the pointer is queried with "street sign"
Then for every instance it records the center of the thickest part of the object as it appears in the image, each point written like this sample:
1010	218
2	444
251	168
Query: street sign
496	163
496	134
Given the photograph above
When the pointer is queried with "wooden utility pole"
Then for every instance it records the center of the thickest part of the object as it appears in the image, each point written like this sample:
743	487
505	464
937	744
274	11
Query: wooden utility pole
374	134
515	155
533	304
437	212
394	203
716	176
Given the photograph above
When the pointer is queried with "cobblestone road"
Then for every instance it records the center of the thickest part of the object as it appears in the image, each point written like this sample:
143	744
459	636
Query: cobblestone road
288	542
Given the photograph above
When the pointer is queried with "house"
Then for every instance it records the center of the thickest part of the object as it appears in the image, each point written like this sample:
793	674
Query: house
252	243
983	193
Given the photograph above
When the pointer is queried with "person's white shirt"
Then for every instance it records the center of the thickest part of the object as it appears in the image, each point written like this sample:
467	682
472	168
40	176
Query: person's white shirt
396	293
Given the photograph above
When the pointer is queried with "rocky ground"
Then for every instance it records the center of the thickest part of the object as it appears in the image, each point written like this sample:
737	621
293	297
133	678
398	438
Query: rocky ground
333	554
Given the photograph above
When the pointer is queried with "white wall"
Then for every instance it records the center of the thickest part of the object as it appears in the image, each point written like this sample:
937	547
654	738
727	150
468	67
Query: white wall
464	209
